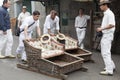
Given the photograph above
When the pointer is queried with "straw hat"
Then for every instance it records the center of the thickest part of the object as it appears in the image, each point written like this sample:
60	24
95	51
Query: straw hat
24	7
104	2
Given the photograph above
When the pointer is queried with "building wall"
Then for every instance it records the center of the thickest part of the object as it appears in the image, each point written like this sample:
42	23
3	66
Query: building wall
1	2
41	8
116	42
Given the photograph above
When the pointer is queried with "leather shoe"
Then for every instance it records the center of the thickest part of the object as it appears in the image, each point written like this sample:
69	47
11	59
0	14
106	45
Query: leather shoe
2	57
105	73
18	56
10	56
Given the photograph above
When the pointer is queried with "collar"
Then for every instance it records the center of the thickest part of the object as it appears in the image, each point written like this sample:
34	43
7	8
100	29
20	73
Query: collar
4	7
106	11
24	13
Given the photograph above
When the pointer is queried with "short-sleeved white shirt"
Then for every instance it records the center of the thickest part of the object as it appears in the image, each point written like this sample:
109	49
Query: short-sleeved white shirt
109	18
22	16
51	24
28	21
81	21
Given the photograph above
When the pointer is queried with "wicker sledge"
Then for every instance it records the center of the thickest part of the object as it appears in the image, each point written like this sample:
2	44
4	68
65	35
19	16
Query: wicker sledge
71	46
82	53
56	66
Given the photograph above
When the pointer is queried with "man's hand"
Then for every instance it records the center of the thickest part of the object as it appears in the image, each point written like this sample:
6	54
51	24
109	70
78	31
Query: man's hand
51	34
99	29
5	32
27	38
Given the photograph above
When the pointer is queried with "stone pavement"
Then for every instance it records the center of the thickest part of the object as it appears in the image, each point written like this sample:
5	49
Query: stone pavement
9	71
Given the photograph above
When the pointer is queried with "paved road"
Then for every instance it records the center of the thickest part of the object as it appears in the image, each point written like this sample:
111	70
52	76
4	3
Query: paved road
9	71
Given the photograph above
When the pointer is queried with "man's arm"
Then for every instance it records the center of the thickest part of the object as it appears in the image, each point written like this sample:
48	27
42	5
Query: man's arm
76	22
88	17
25	32
2	23
104	28
47	24
25	27
57	26
38	28
19	20
39	31
111	23
19	23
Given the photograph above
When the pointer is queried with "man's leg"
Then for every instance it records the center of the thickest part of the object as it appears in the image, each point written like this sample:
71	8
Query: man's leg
20	48
9	44
80	36
3	39
24	57
106	54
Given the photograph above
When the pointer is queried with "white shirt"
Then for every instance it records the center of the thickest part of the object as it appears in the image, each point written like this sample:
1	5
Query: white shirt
28	21
22	16
81	21
51	24
109	18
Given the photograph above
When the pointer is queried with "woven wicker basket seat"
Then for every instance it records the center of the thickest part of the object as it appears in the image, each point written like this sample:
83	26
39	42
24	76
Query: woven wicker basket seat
68	41
51	53
49	49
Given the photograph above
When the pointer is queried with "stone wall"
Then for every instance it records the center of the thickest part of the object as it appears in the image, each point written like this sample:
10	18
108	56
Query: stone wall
116	43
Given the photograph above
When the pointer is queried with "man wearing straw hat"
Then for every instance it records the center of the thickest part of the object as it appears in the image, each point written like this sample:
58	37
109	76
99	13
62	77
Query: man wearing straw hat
23	15
107	28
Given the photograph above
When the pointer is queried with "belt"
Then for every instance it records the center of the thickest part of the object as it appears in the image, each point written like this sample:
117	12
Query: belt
81	27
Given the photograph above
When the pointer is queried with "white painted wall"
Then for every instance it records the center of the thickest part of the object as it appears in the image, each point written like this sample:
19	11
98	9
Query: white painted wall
1	2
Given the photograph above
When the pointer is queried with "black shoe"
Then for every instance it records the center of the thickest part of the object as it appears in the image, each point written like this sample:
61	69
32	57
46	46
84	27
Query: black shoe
24	61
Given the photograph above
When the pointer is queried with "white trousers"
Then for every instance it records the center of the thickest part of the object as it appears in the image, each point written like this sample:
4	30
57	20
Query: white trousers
8	40
21	48
106	52
80	36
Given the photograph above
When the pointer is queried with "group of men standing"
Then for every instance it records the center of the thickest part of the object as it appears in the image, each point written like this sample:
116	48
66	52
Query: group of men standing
28	22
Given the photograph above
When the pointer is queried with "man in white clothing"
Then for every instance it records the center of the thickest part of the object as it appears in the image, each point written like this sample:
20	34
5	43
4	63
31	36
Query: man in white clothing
23	15
80	25
51	25
27	27
107	28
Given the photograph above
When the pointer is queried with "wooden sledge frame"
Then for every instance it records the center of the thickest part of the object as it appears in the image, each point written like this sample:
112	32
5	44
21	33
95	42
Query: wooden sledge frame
59	76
